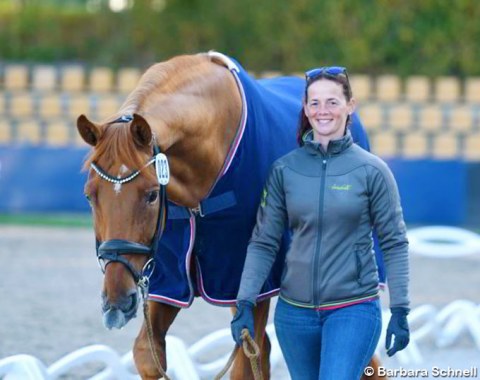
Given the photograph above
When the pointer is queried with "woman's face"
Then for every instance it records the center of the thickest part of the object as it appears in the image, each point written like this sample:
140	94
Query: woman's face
327	110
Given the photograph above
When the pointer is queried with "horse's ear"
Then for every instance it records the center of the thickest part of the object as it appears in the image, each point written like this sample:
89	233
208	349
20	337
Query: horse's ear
141	131
89	131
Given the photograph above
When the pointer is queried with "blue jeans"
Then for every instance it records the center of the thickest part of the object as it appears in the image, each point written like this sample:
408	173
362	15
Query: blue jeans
328	344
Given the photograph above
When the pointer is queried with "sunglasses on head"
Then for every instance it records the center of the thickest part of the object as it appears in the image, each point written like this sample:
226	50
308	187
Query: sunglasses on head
332	71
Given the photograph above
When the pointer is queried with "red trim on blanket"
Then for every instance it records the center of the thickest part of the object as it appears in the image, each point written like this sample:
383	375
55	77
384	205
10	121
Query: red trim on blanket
169	301
243	122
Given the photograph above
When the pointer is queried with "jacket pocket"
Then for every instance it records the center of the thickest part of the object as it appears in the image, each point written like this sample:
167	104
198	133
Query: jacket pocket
367	271
358	262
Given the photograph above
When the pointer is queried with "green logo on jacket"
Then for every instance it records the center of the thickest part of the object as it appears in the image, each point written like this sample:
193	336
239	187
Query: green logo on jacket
341	187
263	201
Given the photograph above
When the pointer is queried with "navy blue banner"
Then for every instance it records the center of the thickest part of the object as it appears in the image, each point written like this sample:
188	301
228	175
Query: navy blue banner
432	191
41	179
473	200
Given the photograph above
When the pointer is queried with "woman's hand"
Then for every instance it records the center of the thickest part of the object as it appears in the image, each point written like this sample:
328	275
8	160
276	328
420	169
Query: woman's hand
243	319
397	326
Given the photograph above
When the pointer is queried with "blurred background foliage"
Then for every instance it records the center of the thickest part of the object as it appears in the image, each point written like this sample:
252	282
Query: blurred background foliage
430	37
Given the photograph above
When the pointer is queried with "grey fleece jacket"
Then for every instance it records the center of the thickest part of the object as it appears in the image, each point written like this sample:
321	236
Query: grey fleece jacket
330	201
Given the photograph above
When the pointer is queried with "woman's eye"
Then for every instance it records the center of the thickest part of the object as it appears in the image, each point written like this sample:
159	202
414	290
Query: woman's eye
152	196
88	198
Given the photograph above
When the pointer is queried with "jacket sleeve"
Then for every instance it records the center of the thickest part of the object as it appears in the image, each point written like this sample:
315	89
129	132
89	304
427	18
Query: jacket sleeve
360	137
387	217
266	237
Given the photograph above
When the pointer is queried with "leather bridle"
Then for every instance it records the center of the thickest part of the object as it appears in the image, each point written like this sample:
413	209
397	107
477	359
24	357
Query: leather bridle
113	250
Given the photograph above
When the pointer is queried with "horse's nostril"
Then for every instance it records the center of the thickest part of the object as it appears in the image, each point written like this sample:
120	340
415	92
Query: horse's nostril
126	303
130	306
132	302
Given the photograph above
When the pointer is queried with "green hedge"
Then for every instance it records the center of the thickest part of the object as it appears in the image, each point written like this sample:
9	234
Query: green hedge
433	37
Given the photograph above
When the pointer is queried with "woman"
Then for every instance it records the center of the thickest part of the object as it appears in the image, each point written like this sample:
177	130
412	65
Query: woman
330	193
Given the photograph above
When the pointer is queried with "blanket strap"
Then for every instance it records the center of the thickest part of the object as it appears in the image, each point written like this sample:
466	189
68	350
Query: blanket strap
206	207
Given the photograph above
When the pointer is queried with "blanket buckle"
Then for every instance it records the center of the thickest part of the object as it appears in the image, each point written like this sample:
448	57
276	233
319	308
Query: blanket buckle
198	210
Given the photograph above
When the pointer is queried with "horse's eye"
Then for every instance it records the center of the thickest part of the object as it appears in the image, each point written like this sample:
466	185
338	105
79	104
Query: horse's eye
152	196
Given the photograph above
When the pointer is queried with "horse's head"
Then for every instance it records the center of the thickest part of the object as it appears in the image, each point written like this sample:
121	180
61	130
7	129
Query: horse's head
128	207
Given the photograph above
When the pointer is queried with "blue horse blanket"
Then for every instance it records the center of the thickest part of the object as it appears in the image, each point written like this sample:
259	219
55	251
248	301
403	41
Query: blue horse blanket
203	254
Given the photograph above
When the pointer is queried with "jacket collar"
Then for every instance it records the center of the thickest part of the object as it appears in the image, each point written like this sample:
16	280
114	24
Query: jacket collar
334	146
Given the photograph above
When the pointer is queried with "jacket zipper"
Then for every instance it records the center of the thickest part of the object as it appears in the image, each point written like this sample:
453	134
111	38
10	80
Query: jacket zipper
316	259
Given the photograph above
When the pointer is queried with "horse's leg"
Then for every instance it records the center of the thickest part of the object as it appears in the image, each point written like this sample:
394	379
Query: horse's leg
242	369
161	317
374	363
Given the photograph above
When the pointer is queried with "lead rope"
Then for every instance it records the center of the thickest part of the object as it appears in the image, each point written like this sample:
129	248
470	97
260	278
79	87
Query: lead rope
251	351
148	326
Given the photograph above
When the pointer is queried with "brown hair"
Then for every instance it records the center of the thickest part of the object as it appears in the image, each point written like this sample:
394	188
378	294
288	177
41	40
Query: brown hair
303	123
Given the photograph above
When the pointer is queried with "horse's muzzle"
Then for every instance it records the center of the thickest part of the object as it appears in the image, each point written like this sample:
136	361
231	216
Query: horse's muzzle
118	315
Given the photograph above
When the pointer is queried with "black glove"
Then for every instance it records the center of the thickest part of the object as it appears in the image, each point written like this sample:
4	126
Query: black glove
397	326
243	319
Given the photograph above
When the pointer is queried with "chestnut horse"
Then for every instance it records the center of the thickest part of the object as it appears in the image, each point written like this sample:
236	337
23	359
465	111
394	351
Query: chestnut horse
190	108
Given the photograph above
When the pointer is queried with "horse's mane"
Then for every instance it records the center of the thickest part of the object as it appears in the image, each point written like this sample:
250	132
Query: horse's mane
116	143
167	77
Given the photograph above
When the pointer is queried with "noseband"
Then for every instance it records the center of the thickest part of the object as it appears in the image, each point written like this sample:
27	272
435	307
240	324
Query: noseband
111	251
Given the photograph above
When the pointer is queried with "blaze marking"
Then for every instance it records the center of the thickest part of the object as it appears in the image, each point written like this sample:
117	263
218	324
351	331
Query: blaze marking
117	187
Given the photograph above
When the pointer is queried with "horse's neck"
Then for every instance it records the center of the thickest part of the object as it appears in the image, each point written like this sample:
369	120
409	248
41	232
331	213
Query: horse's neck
195	132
